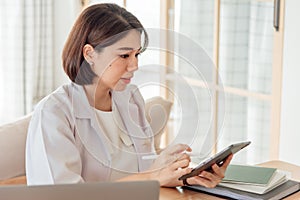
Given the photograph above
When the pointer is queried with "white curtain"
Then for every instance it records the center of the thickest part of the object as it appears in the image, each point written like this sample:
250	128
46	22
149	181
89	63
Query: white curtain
26	68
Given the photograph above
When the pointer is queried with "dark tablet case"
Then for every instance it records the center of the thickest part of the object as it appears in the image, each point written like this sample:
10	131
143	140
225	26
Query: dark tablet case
279	192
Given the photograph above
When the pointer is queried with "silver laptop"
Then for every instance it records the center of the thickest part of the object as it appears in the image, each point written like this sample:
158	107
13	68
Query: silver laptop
146	190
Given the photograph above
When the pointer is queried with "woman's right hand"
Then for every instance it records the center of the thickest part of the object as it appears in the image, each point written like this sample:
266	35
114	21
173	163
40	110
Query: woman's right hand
171	164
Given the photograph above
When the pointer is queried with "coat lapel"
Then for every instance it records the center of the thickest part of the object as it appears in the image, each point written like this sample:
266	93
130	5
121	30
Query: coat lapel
85	119
133	119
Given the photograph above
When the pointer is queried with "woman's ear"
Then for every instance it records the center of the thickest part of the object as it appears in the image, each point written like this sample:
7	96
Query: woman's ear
88	53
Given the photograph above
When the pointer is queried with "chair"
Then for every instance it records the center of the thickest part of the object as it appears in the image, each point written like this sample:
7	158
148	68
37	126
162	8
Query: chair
157	113
12	150
13	140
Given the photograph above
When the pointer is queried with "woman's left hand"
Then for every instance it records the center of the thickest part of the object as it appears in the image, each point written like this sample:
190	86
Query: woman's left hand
210	179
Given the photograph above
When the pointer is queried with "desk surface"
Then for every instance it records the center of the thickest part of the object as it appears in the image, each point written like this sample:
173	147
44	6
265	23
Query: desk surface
179	194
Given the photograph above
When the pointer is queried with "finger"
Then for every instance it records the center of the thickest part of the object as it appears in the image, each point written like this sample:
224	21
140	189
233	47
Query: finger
197	180
169	159
183	156
227	161
211	176
177	157
180	172
180	164
179	148
218	171
189	149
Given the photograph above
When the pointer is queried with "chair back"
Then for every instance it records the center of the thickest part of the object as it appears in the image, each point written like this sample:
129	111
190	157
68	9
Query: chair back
157	114
12	148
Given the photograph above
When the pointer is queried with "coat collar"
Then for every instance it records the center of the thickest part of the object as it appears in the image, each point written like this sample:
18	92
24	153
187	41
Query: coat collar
81	105
82	110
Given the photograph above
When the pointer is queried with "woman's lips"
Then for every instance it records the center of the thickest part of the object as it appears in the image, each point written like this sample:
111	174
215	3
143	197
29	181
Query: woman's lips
126	80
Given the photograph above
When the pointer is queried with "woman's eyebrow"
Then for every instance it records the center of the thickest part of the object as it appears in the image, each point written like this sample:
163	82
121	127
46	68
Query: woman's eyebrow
128	48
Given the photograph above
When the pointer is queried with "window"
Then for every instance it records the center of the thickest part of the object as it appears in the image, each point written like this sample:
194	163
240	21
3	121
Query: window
236	93
245	100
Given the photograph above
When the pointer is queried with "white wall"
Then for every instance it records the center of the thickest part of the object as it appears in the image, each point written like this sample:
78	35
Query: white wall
65	14
290	109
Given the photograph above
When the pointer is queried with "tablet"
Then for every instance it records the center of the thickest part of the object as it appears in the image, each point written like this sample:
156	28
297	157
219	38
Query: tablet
219	159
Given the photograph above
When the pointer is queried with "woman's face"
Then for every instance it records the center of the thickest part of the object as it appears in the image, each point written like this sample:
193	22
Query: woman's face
115	65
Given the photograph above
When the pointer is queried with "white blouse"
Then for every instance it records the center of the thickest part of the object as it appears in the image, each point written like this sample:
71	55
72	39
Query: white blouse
124	159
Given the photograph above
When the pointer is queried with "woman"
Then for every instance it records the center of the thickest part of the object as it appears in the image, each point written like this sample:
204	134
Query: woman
94	129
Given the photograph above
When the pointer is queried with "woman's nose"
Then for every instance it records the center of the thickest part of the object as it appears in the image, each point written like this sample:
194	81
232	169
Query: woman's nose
133	64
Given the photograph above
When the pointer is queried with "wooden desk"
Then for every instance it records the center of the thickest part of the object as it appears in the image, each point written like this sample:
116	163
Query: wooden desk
21	180
179	194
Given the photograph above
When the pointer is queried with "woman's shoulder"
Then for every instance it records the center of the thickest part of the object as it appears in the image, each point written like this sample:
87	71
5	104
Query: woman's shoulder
60	98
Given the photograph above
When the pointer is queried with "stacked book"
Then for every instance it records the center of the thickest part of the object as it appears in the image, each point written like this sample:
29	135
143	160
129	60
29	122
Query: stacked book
253	183
259	180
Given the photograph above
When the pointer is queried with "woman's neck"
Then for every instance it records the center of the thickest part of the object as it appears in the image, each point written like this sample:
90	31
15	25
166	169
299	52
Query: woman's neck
99	97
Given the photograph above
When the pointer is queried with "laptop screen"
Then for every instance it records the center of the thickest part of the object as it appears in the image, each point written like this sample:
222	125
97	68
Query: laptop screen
146	190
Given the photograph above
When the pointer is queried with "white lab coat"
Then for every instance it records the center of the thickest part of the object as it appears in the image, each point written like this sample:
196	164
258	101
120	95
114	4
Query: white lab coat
66	145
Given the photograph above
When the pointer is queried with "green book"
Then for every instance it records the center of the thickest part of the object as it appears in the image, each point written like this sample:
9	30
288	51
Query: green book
245	174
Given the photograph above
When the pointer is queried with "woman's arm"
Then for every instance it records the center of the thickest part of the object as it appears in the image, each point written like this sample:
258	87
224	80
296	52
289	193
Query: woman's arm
173	163
167	168
51	153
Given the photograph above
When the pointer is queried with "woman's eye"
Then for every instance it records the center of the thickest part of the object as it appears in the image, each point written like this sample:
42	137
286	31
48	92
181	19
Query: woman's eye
124	56
127	55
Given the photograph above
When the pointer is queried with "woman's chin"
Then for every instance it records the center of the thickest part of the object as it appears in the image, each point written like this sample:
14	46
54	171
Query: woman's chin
120	87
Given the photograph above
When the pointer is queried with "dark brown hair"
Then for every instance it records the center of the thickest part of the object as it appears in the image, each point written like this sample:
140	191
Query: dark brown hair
96	25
